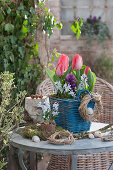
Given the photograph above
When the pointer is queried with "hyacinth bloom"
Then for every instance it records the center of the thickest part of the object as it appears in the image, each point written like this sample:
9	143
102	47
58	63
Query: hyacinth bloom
60	70
71	80
64	59
86	70
77	62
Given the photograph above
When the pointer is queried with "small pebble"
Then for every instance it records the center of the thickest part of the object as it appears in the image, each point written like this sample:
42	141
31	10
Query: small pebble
91	136
35	139
90	111
98	134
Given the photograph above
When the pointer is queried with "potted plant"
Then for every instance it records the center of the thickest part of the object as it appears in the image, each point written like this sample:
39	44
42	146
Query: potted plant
71	84
48	115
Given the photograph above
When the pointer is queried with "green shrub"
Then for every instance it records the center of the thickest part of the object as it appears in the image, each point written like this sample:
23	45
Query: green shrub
102	66
10	114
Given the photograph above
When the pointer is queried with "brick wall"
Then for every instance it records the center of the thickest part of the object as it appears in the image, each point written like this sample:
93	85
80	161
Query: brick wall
69	45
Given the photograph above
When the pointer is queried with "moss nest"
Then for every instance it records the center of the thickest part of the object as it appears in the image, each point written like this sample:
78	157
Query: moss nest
35	130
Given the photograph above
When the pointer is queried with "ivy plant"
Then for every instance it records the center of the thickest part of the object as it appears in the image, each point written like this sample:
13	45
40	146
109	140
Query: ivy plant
19	21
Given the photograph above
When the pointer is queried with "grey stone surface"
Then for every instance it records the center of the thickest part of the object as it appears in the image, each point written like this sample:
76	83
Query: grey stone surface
82	146
32	108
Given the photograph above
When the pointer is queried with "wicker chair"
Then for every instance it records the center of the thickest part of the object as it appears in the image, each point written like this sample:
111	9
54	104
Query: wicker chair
96	161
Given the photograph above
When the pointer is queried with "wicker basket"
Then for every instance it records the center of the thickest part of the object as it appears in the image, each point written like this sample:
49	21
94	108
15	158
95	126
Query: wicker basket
69	117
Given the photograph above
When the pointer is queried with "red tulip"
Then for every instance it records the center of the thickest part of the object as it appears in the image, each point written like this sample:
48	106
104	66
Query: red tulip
77	62
64	59
60	70
86	70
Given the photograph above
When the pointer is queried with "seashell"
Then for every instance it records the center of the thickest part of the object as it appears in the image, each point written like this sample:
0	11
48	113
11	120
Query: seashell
91	136
98	134
35	139
90	111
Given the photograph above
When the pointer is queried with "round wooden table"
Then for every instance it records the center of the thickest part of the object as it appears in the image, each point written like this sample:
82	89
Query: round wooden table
82	146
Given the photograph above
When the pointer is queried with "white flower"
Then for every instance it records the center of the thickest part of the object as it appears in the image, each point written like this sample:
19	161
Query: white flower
49	10
58	86
25	16
83	84
52	20
42	1
54	113
55	106
44	32
39	104
36	6
44	108
67	88
72	93
47	103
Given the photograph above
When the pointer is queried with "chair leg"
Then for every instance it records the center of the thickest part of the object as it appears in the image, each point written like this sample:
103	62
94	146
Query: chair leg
111	167
33	161
21	161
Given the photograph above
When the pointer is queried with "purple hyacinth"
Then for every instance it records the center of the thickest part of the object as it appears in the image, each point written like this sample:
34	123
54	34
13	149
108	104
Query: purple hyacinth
71	80
70	77
94	19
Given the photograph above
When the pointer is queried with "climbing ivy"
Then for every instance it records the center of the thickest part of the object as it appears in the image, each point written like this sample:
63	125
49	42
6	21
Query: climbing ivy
19	22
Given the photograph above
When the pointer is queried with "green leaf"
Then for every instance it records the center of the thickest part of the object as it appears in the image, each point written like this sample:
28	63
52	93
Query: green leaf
78	76
53	59
67	72
73	28
82	70
52	76
94	78
1	17
8	10
59	26
91	78
24	29
11	57
9	27
22	51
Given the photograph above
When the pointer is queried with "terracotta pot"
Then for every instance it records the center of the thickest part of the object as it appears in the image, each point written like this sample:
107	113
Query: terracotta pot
48	127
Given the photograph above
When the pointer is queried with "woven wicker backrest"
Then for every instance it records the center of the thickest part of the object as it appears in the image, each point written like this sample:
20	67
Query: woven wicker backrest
101	86
46	88
106	90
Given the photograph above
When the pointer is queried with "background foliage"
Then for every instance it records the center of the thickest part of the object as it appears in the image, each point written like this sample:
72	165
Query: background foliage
19	22
10	114
94	28
102	66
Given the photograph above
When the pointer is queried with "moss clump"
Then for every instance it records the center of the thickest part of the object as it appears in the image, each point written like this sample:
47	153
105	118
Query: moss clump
35	130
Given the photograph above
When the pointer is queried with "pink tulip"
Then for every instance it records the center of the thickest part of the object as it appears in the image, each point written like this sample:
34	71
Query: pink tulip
60	70
86	70
77	62
64	59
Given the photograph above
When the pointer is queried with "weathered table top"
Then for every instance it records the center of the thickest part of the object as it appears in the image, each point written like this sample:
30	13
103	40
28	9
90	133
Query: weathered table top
82	146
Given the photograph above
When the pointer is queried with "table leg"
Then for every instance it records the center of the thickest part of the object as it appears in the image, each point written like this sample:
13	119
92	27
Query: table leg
74	162
21	161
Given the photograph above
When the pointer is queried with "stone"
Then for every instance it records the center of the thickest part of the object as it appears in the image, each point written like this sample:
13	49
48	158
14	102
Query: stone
91	136
98	134
90	111
31	106
35	139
